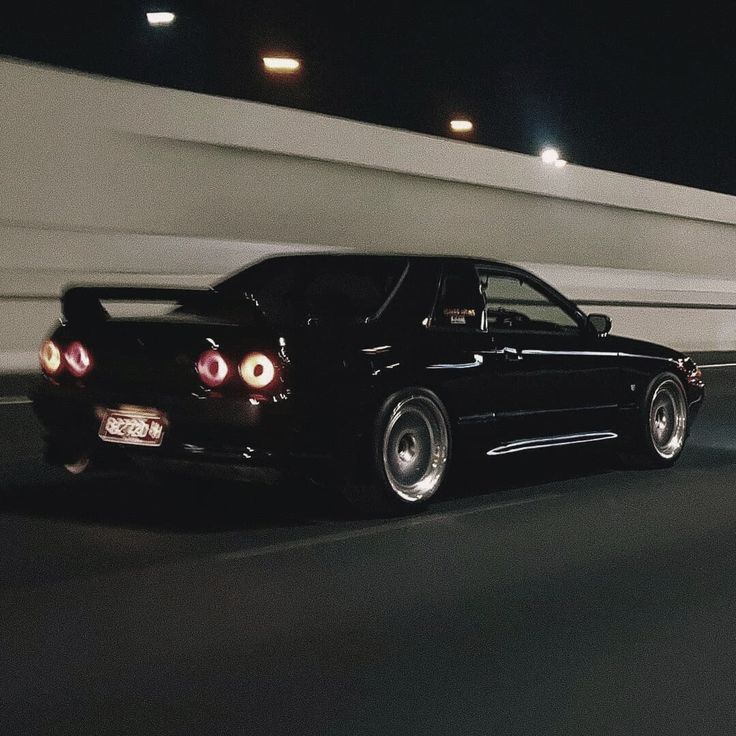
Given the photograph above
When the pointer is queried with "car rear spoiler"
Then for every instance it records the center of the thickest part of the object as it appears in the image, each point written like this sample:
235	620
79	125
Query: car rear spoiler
84	303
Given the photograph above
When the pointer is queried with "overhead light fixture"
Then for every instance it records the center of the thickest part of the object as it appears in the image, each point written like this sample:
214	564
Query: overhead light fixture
281	64
461	125
552	156
560	162
160	18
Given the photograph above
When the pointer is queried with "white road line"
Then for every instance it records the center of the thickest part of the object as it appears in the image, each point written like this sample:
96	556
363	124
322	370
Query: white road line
276	548
13	400
719	365
369	531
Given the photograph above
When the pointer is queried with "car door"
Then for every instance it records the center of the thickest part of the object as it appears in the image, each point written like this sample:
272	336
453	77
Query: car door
553	377
455	355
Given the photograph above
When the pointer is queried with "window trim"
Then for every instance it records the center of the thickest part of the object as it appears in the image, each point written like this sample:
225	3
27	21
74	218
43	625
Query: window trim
544	289
389	299
453	329
233	282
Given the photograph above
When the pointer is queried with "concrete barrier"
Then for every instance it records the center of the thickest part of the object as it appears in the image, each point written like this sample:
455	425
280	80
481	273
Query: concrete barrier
105	180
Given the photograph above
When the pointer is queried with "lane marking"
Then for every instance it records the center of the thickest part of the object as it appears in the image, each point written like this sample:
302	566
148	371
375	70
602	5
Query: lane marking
13	400
14	596
719	365
370	531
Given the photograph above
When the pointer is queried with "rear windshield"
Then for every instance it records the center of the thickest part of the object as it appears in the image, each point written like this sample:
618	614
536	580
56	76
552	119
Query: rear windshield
336	289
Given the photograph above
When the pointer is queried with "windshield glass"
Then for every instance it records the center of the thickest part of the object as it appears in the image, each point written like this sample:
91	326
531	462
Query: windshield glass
335	288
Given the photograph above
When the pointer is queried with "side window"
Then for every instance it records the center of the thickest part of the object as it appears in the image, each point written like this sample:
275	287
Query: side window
460	302
513	304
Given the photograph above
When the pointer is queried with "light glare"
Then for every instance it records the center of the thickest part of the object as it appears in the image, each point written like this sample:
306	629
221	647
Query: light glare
50	357
550	155
212	368
162	18
461	126
78	359
257	370
283	64
560	163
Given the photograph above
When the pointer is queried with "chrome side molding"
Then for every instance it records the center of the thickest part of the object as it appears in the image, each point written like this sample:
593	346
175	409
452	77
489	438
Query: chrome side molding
477	361
539	443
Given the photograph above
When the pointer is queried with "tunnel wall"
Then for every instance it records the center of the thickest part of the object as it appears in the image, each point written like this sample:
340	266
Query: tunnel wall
106	180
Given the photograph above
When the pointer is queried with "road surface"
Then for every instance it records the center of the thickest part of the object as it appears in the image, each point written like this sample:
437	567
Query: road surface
555	593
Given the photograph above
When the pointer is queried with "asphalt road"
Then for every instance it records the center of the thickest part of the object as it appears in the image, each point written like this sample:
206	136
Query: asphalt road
552	594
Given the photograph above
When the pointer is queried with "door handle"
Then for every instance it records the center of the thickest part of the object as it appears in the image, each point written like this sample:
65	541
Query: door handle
512	354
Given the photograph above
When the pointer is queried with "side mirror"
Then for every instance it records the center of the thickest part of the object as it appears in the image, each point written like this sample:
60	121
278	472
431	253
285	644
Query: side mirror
600	324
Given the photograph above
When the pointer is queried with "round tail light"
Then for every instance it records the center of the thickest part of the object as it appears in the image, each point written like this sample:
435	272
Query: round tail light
212	368
78	359
257	370
49	357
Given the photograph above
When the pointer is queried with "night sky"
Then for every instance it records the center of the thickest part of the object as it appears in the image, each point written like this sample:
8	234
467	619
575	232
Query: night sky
642	88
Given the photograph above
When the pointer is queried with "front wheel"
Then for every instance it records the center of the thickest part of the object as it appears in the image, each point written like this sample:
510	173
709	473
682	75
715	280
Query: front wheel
409	457
662	426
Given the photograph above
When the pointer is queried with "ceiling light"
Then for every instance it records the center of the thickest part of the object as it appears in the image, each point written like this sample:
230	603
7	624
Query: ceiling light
461	126
550	155
160	18
281	64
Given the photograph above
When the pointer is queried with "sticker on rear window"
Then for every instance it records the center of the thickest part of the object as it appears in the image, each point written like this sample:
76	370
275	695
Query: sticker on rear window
457	315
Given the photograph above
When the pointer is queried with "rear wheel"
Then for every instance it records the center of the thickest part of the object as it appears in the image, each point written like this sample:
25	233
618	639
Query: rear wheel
662	424
409	458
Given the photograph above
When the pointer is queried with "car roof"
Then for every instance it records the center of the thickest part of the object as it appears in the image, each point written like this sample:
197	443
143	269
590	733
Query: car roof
398	254
474	260
390	255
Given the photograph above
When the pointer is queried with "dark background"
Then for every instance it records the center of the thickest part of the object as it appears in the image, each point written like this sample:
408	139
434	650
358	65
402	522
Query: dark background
645	89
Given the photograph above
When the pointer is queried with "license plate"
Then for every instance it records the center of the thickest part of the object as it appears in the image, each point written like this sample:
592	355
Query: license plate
134	427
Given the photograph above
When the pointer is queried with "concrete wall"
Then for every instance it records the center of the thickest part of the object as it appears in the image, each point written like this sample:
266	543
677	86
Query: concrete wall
108	180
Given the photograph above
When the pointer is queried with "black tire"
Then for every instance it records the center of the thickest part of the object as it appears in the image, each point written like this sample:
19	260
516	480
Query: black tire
408	459
658	437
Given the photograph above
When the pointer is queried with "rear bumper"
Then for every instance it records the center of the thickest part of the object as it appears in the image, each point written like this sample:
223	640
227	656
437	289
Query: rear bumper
200	431
208	468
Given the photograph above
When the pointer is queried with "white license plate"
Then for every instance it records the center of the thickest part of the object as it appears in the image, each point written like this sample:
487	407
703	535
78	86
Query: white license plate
138	427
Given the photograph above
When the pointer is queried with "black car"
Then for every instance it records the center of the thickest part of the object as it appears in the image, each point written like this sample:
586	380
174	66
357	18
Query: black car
375	371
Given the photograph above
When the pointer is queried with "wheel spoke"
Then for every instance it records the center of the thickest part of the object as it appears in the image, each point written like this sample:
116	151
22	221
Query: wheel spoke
668	419
415	448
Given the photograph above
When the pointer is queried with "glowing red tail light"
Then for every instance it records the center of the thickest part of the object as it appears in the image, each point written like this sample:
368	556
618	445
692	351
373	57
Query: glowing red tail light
78	359
213	369
49	356
257	370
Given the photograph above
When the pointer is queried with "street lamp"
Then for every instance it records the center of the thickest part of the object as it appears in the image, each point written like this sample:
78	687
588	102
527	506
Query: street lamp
281	64
551	156
160	18
461	125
